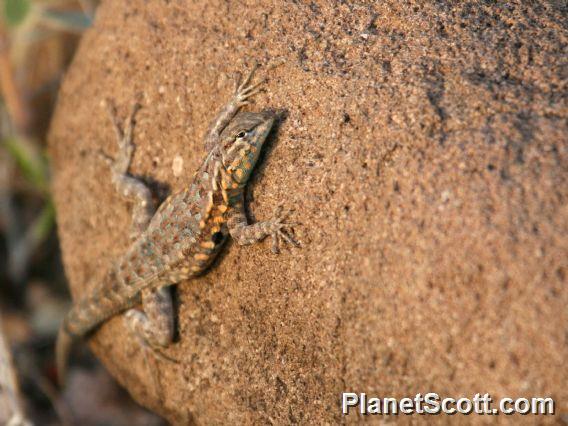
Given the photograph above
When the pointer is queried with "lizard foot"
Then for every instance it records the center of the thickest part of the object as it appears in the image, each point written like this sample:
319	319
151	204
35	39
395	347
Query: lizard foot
244	90
123	132
157	354
279	229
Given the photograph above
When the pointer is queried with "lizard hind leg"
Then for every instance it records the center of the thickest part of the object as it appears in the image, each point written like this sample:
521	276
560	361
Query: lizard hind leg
154	327
126	185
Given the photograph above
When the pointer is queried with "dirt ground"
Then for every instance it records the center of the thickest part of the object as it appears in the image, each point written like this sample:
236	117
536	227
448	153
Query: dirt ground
425	152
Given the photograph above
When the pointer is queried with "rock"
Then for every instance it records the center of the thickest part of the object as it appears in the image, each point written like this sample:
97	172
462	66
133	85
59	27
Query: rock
425	153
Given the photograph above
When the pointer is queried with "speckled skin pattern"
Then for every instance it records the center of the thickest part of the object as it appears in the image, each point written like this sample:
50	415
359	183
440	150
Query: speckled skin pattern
184	235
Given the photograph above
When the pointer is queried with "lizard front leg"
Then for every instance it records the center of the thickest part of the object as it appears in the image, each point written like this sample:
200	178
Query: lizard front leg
243	91
128	186
245	234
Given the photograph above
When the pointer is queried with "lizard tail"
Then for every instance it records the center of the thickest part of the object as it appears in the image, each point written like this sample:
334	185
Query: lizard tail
62	349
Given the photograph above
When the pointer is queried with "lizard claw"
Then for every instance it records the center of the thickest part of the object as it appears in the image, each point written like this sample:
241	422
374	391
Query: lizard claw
241	85
111	111
281	229
245	90
124	132
105	157
123	135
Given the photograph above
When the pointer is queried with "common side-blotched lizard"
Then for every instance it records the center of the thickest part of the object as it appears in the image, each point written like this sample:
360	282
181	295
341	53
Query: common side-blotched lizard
183	236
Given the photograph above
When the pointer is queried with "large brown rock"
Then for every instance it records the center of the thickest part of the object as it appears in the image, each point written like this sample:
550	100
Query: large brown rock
425	151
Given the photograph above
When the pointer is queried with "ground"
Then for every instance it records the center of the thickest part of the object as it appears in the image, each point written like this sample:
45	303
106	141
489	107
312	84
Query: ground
424	149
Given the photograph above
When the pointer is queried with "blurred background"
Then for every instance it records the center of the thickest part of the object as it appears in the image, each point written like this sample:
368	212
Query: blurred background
37	43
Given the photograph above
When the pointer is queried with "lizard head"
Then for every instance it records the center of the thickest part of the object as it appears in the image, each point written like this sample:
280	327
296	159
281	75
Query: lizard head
241	142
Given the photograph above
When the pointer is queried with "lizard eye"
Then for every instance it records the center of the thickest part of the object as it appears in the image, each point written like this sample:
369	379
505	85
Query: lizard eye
240	135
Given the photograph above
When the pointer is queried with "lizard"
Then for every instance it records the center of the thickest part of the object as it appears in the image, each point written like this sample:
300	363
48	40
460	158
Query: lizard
183	236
